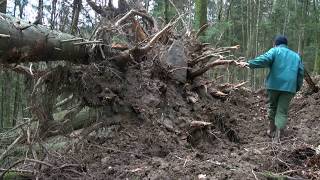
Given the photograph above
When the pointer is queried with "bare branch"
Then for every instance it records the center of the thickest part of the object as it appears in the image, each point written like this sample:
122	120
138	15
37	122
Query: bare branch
157	36
87	42
203	58
133	13
4	36
10	147
203	28
97	9
210	65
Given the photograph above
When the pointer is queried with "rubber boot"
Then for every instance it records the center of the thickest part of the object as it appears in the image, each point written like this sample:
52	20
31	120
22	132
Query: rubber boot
272	129
277	135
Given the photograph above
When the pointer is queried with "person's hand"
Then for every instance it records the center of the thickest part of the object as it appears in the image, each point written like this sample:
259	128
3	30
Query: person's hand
243	64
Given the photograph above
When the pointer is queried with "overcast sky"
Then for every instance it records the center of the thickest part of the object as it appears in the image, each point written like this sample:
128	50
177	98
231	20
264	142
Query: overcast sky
30	11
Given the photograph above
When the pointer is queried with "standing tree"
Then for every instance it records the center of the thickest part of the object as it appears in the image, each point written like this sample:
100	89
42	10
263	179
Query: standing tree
201	13
53	14
75	15
3	6
39	19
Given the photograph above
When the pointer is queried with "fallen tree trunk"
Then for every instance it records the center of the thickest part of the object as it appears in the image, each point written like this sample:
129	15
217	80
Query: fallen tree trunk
310	82
25	42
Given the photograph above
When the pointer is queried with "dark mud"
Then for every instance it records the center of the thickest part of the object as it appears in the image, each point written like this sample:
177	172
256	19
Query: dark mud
235	147
150	136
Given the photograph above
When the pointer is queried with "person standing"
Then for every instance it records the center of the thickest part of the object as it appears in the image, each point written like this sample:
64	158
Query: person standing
285	78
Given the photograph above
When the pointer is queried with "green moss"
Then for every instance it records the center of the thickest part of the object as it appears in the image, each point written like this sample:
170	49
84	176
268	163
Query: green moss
201	13
15	176
272	176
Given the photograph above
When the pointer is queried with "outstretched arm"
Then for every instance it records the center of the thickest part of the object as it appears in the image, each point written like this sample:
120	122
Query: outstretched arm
264	60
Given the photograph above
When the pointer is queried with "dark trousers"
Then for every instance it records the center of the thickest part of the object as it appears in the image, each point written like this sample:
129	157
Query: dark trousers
278	107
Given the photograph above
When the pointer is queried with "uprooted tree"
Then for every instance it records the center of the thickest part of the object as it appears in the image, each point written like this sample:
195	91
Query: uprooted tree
132	75
109	76
153	74
135	75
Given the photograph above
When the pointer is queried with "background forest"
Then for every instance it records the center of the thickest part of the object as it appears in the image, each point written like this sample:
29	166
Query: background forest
152	89
252	24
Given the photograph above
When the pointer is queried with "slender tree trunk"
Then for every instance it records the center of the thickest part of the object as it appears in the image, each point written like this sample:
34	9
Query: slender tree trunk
17	101
75	15
16	2
259	72
243	24
220	12
146	5
53	14
63	15
286	19
201	13
40	12
6	98
2	98
22	5
3	6
166	11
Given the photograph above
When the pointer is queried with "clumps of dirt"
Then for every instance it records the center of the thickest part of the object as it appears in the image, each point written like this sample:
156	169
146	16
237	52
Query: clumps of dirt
305	115
297	156
153	139
154	98
160	144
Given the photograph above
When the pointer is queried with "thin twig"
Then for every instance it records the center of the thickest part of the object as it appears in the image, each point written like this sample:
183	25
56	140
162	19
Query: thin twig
254	174
215	136
17	170
4	36
133	13
24	160
203	28
289	171
178	68
87	42
159	34
71	40
17	126
184	23
10	147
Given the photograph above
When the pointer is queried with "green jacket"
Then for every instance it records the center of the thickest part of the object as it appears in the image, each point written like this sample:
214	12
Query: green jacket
286	69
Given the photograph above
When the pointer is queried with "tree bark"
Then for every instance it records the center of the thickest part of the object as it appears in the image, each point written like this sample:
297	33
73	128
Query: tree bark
166	11
40	12
22	5
25	42
2	98
3	6
17	101
75	16
53	14
201	13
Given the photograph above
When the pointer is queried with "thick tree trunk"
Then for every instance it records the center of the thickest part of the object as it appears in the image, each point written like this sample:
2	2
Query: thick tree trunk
25	42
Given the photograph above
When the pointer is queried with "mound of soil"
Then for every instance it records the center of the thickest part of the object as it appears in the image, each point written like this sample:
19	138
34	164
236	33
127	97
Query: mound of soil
236	146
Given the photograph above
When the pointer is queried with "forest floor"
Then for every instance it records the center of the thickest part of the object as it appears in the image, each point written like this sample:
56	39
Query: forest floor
147	150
